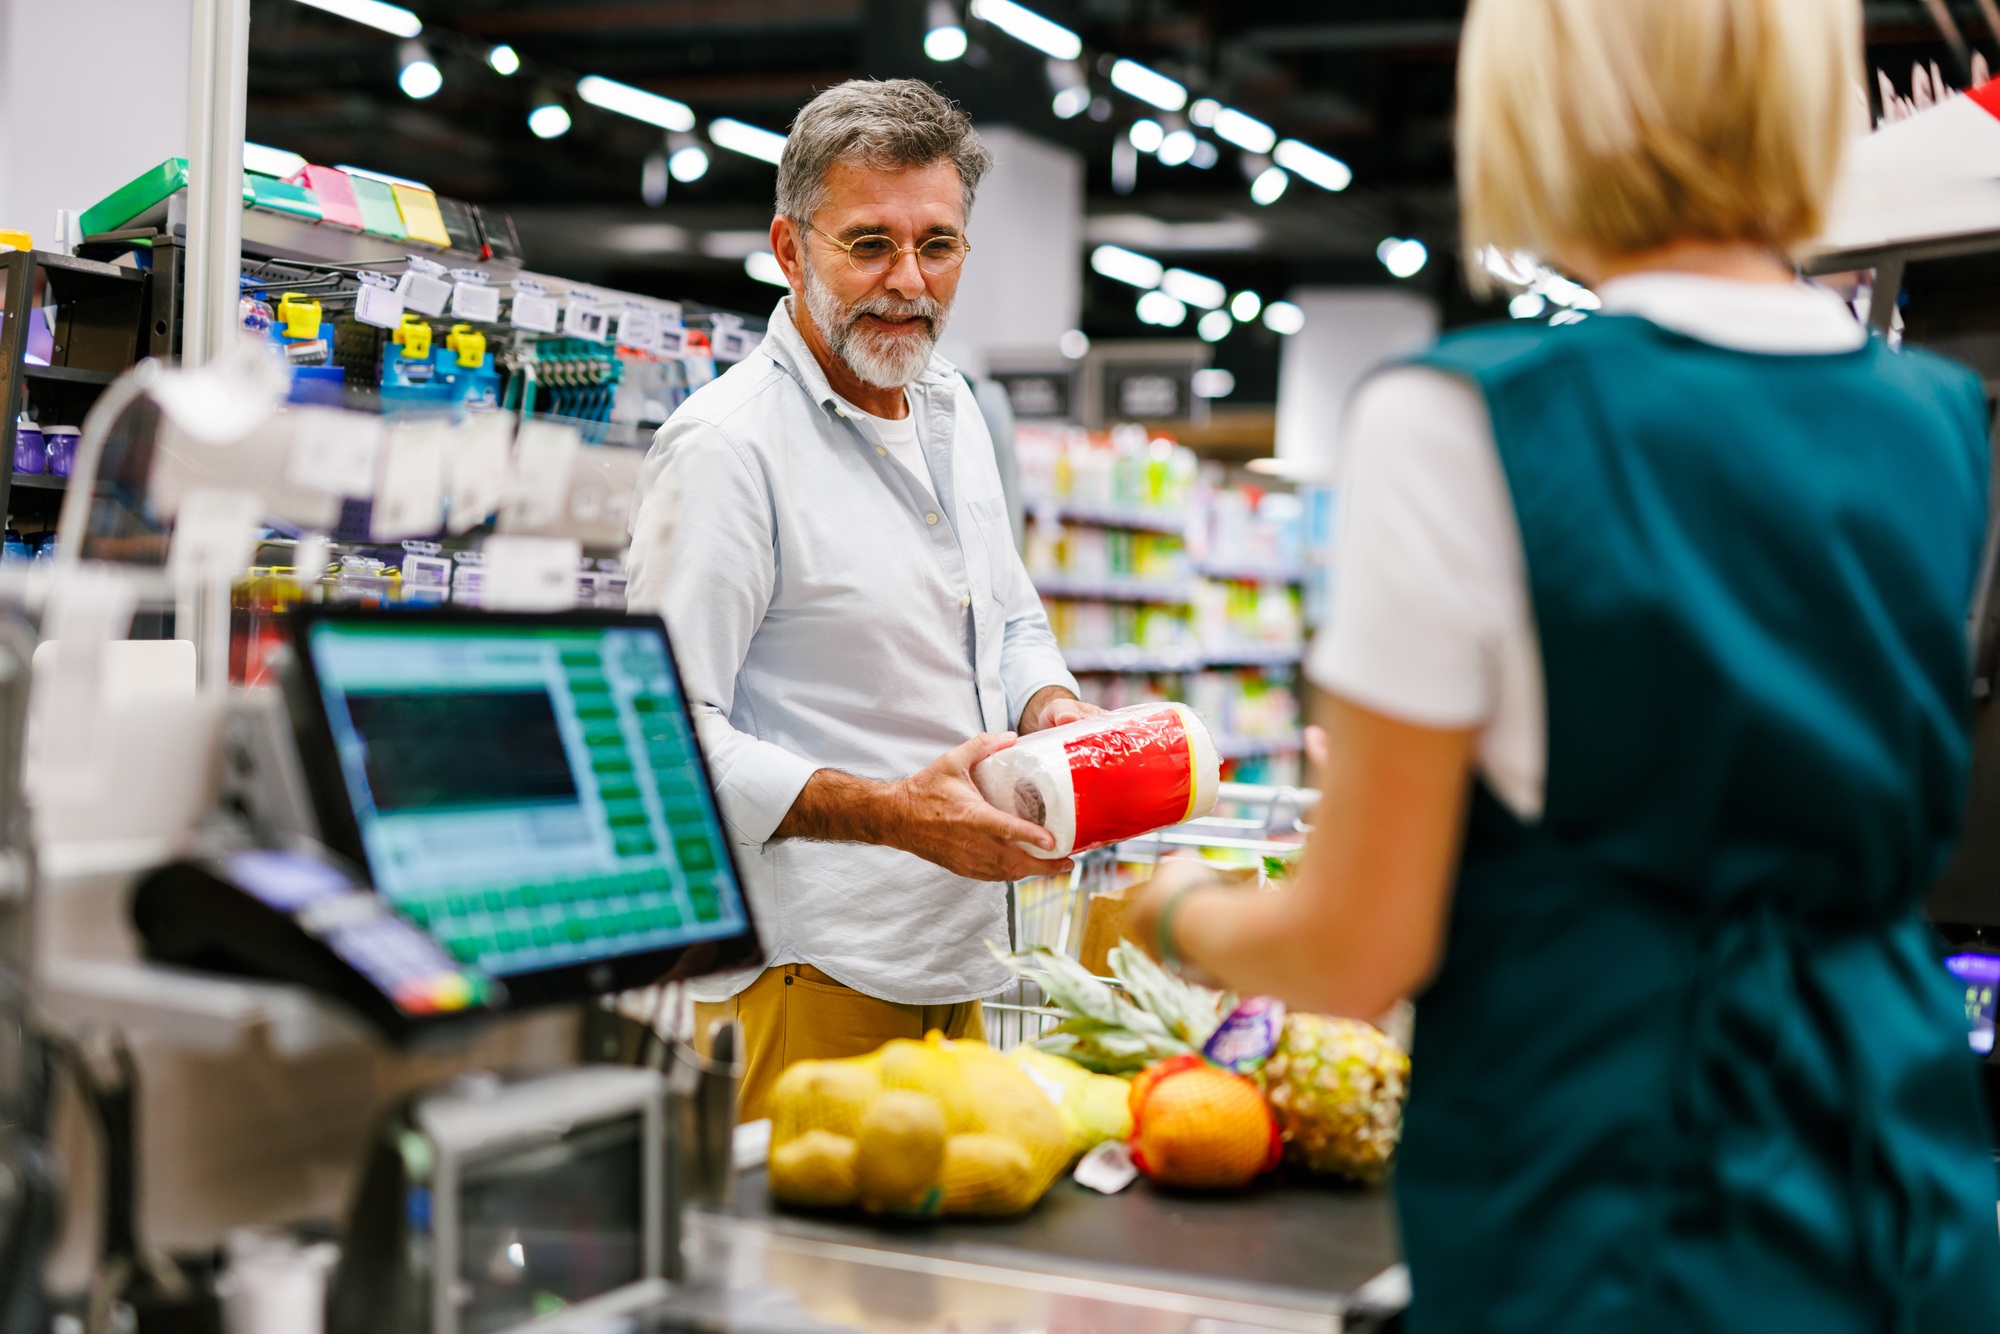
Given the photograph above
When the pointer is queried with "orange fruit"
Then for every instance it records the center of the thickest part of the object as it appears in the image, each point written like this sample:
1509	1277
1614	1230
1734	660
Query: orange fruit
1197	1125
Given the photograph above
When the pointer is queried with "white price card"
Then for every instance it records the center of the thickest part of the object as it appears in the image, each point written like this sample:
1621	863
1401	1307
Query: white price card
410	492
536	312
531	573
215	533
424	293
639	327
586	319
379	306
334	451
538	493
478	302
479	455
673	339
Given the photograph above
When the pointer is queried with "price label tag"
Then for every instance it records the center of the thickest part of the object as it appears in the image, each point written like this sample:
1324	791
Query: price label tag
479	456
334	452
586	319
475	301
424	293
531	573
673	339
410	492
379	306
539	491
639	327
536	312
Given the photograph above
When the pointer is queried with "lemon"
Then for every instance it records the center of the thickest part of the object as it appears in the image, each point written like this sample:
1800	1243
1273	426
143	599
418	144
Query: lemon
900	1150
815	1170
928	1068
988	1174
821	1095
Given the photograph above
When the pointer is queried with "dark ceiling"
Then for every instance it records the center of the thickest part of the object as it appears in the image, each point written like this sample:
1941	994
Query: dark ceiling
1367	80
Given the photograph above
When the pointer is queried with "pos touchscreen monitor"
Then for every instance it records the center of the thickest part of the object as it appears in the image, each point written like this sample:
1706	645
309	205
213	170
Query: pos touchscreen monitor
528	790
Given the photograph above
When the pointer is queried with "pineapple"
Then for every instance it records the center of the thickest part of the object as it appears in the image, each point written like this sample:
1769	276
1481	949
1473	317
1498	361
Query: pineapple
1337	1086
1102	1030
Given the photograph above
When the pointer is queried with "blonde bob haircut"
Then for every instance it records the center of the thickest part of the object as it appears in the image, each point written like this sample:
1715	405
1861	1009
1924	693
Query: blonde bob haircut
1610	128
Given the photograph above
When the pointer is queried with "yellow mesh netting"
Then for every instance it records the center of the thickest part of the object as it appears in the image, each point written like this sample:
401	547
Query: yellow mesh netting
915	1128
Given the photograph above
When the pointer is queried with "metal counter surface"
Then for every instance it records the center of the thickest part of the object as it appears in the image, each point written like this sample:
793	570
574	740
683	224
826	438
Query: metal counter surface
1285	1255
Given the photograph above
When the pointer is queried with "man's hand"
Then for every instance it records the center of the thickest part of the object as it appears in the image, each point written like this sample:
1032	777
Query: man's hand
945	820
936	813
1052	706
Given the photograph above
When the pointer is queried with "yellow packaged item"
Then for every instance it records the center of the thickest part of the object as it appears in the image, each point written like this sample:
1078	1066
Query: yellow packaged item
1094	1107
413	335
916	1129
421	218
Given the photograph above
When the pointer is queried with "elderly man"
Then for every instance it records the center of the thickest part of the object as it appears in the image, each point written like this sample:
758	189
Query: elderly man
824	530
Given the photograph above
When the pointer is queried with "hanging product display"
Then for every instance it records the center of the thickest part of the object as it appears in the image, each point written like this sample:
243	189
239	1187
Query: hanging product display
1107	778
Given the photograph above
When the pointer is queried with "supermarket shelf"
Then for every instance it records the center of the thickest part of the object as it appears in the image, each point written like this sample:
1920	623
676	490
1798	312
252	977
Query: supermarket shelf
1132	658
68	375
1250	747
1115	516
1253	655
1115	588
1253	574
38	481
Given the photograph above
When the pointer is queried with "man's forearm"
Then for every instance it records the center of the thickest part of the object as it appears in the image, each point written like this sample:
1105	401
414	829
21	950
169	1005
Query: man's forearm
1038	703
836	807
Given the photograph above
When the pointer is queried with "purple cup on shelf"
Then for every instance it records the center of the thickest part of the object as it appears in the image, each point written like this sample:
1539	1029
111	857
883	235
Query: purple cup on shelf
62	449
30	453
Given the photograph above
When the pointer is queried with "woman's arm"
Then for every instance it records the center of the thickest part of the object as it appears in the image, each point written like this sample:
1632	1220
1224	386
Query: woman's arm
1361	924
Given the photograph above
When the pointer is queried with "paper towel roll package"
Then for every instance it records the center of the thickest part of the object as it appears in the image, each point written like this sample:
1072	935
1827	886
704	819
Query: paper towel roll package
1104	779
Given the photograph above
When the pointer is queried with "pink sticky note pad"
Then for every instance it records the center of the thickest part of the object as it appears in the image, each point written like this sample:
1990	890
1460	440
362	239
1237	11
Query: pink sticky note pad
336	195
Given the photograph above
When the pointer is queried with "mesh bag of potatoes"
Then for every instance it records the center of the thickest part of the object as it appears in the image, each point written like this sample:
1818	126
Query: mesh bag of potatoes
915	1129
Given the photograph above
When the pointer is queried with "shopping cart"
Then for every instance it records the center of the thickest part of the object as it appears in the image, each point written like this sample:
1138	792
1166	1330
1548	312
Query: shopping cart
1250	822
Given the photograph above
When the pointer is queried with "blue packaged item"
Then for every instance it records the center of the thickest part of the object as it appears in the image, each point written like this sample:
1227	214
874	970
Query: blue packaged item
1246	1039
29	448
322	385
60	449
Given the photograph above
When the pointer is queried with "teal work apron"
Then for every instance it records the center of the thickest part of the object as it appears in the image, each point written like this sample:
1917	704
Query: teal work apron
1690	1062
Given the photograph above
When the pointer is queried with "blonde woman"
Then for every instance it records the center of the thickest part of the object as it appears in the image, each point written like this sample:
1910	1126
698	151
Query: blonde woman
1648	710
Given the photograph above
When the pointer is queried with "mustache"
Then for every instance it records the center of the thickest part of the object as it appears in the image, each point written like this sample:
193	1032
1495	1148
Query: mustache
924	308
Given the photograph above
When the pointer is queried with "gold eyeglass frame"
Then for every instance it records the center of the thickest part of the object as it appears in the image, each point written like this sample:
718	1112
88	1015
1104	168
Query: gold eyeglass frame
847	248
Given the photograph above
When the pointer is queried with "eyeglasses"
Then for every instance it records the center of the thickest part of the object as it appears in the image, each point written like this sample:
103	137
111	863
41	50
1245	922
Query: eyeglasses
878	254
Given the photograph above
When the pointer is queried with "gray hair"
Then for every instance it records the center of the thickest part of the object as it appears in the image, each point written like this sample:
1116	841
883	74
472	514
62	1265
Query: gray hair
888	125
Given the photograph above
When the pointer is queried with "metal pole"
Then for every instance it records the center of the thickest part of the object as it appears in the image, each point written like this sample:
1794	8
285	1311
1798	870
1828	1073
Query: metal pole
216	96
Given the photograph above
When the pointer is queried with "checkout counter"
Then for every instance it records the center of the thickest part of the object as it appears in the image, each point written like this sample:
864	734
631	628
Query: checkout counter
448	827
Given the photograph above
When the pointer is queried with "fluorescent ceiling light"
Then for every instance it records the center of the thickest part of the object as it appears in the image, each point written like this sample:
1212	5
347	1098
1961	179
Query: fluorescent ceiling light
688	164
1074	344
1213	328
1161	309
749	140
763	266
1126	266
1177	147
1269	185
1070	103
1282	317
550	120
945	44
646	238
504	59
1204	110
1025	25
1143	232
420	77
1245	305
1194	288
1246	132
1322	169
1148	85
381	176
1402	257
1205	155
388	18
265	161
735	244
637	103
1146	135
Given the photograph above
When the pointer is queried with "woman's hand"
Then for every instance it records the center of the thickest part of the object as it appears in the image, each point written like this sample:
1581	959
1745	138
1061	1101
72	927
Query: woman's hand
1170	877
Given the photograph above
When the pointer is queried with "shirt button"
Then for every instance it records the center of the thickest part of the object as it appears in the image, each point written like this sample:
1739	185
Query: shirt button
930	518
965	601
883	452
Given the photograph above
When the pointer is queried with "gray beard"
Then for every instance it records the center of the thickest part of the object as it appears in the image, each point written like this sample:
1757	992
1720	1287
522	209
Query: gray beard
884	361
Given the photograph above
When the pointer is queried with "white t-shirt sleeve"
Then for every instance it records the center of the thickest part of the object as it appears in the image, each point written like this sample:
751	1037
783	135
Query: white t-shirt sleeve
1431	622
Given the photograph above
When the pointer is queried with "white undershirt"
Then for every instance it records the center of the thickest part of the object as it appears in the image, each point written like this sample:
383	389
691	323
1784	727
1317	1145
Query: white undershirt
1431	620
899	437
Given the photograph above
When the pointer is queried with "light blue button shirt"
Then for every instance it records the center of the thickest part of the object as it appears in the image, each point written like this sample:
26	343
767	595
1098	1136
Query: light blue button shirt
829	611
